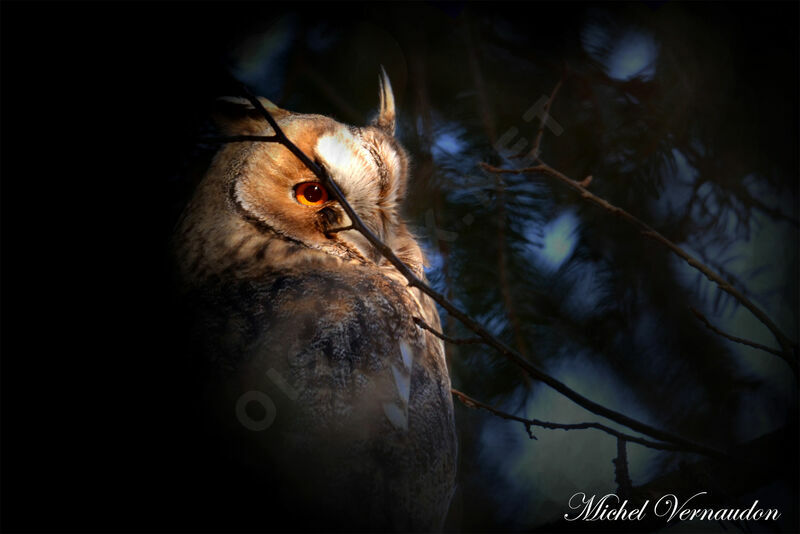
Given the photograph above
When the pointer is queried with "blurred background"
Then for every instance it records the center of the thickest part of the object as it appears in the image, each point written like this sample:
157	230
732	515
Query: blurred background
685	114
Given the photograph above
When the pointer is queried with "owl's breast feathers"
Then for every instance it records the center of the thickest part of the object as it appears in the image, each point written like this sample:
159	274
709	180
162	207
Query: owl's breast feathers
363	416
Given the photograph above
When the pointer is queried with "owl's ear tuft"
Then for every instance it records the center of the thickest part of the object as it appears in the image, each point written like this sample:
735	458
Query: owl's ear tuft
236	115
386	113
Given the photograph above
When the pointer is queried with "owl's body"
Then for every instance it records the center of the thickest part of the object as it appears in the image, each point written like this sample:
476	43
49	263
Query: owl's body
319	380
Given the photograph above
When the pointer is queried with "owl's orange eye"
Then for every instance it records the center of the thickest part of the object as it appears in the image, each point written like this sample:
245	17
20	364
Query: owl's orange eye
311	194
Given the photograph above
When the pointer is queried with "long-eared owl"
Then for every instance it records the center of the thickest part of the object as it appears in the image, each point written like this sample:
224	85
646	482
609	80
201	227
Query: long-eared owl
318	382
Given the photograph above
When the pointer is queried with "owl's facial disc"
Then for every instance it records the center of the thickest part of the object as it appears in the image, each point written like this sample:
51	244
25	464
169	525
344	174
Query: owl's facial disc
277	191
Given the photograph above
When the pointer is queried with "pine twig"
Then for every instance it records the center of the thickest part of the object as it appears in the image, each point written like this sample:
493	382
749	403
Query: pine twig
488	120
788	352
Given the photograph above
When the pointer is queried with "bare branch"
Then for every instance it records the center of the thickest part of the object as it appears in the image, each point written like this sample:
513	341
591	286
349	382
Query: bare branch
469	402
735	339
502	348
788	353
621	474
455	341
534	152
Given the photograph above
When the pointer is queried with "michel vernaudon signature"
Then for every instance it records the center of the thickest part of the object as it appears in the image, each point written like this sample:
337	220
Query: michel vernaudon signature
668	507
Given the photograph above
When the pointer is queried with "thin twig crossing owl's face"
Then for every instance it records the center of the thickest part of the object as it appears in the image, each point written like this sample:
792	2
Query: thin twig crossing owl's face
275	189
258	192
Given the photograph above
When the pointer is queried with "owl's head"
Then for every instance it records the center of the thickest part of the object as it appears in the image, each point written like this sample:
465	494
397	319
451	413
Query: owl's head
258	196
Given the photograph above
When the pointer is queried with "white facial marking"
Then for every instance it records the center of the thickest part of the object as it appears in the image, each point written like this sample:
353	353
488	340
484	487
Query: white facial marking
347	161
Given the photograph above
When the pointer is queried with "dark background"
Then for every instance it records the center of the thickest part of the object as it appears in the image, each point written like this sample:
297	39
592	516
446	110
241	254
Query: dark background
101	108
